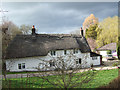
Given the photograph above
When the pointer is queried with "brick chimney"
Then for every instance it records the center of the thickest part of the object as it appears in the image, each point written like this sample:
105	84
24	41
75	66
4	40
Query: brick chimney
33	30
81	32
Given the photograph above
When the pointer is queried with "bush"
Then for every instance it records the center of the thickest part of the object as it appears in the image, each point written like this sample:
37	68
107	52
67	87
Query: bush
109	52
115	64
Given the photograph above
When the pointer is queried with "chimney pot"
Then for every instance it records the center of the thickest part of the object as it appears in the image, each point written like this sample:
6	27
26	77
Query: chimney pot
81	32
33	30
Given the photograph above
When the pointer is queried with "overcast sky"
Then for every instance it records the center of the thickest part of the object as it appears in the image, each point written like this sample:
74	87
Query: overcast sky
59	17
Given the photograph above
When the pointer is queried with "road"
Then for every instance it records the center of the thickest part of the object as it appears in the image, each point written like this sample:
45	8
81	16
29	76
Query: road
52	72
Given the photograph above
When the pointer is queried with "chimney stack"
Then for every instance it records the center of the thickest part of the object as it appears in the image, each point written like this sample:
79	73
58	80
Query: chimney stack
82	34
33	30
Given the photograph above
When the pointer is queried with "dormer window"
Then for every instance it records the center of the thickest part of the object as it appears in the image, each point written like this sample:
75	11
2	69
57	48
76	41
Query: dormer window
75	51
65	52
53	53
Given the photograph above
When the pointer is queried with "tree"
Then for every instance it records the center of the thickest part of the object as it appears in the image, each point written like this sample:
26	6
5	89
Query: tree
26	29
9	30
90	20
66	71
91	32
108	32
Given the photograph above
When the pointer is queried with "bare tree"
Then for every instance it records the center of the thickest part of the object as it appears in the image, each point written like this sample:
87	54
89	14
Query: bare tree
26	29
9	30
65	71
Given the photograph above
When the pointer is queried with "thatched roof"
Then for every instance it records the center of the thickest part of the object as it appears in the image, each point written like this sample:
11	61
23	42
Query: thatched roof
111	46
92	43
39	45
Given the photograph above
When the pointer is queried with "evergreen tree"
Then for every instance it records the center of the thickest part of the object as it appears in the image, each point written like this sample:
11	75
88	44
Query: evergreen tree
91	32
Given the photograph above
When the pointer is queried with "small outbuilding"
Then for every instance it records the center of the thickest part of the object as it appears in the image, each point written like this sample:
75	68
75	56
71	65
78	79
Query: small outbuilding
112	48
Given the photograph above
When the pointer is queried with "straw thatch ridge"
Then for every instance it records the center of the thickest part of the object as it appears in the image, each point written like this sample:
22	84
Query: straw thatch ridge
111	46
40	44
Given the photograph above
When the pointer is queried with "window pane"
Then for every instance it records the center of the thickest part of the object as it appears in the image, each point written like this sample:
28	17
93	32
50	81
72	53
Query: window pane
53	63
65	52
50	64
76	62
54	52
51	53
80	61
74	51
19	66
23	65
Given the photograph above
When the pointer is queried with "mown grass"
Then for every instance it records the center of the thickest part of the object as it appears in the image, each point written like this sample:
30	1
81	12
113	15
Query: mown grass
102	78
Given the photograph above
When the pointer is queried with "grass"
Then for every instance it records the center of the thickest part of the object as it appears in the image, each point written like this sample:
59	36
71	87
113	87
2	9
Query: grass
102	78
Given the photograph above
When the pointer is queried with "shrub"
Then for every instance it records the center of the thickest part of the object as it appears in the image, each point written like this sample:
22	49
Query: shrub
109	52
115	64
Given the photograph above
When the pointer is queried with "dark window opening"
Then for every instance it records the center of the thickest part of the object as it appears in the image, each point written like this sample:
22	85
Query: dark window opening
52	64
79	60
94	58
19	66
65	52
53	53
23	65
75	51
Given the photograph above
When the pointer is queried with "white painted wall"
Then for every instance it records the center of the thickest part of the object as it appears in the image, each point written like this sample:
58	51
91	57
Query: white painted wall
115	54
96	61
103	53
33	63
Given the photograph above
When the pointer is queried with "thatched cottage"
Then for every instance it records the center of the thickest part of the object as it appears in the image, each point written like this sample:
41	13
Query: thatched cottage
28	52
112	47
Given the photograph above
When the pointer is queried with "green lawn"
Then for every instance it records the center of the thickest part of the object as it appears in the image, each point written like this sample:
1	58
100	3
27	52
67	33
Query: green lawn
102	78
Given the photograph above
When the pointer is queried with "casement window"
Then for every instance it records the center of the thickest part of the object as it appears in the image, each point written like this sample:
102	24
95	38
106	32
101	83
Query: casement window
78	61
94	58
65	52
75	51
21	66
52	63
53	53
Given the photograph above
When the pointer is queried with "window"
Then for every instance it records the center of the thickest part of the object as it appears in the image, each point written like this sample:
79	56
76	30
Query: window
21	66
94	58
51	64
75	51
65	52
53	53
78	61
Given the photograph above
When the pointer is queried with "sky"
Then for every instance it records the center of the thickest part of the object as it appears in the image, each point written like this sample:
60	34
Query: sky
57	17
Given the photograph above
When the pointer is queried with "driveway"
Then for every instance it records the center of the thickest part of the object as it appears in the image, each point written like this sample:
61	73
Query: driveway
111	62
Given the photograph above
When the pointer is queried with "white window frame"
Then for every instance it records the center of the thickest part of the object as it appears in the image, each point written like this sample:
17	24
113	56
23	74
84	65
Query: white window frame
52	63
94	58
22	65
53	53
65	52
78	61
75	51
